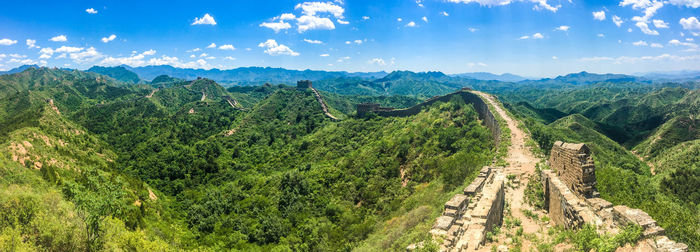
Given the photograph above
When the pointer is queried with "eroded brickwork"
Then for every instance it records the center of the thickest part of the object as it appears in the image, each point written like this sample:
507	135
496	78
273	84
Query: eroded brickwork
467	217
572	201
574	166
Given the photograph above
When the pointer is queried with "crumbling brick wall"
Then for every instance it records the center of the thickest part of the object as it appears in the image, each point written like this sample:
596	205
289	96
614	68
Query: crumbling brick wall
574	166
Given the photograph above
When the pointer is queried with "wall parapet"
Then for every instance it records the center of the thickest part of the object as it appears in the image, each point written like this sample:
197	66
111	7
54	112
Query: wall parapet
469	216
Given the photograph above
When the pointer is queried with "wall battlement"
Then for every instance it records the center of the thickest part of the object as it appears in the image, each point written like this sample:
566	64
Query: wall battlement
574	166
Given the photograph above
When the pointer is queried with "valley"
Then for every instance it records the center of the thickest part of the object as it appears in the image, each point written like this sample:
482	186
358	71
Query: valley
188	165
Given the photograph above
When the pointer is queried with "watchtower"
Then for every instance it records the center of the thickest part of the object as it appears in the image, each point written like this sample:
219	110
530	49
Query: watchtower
304	84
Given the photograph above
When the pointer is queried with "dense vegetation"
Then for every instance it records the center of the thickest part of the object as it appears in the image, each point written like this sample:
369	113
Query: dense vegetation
91	162
114	166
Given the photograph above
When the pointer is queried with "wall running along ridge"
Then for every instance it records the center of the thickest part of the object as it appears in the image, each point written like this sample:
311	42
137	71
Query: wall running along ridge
572	200
480	106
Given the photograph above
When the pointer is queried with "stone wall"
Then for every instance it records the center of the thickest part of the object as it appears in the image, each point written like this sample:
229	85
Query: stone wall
572	200
574	166
469	216
480	106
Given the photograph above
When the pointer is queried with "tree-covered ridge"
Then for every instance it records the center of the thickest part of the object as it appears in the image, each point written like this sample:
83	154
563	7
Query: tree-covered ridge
179	167
118	73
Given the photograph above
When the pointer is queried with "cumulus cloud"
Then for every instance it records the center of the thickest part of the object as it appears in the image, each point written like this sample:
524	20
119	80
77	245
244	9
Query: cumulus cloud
205	20
444	13
342	21
365	18
425	19
555	57
676	42
274	49
644	27
411	24
617	20
630	60
660	24
91	11
149	52
562	28
59	38
88	55
7	42
325	55
399	19
686	3
229	58
691	24
276	26
640	43
310	41
306	23
472	29
212	45
31	43
656	45
377	61
599	15
539	4
110	38
343	59
313	8
227	47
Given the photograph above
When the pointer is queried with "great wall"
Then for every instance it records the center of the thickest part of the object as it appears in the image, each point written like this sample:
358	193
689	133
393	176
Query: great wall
571	197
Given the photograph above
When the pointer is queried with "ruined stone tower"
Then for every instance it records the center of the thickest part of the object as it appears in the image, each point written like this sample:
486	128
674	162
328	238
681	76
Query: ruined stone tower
574	165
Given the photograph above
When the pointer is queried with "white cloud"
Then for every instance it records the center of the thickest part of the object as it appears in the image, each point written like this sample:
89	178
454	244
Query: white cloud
562	28
411	24
15	55
313	41
629	60
212	45
645	29
45	56
689	39
599	15
365	18
425	19
534	36
686	3
343	59
629	29
307	22
676	42
656	45
59	38
325	55
692	24
69	49
88	55
31	43
195	50
378	61
110	38
600	35
399	19
149	52
229	58
286	16
342	21
357	41
7	42
636	4
312	8
192	56
205	20
555	57
660	24
203	55
274	49
276	26
540	4
444	13
640	43
617	20
348	42
91	11
227	47
472	29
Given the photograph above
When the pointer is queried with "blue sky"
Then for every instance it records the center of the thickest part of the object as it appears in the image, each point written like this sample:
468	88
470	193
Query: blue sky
532	37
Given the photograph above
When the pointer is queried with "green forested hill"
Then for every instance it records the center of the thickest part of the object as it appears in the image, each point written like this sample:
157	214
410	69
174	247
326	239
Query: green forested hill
91	163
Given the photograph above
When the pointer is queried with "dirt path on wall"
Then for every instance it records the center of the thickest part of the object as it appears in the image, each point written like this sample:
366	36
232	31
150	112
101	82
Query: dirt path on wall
521	163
